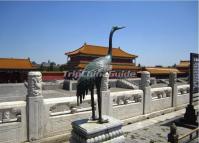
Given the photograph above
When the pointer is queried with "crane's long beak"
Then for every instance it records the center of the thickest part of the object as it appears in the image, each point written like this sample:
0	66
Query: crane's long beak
121	27
118	28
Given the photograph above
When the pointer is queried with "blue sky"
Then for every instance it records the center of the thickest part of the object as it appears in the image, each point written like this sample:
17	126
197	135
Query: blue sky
160	33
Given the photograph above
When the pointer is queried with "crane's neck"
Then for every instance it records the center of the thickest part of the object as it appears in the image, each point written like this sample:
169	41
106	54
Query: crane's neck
110	43
110	40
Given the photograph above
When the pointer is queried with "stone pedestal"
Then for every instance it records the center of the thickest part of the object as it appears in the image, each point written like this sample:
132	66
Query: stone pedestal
86	131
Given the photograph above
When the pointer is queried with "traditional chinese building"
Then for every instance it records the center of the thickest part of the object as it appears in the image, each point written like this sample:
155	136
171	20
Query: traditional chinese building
183	66
121	61
14	70
162	72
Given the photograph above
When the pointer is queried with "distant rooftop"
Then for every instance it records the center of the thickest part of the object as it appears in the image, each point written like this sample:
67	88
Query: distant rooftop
161	70
100	51
183	63
12	63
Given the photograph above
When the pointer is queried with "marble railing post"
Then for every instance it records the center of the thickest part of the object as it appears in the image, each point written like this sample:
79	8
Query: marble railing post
145	86
107	101
173	85
35	108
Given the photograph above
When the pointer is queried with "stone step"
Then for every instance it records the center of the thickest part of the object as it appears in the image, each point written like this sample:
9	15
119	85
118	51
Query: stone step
126	84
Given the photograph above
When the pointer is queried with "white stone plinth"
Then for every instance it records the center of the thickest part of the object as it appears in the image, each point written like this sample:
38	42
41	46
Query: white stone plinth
147	100
86	131
35	120
107	103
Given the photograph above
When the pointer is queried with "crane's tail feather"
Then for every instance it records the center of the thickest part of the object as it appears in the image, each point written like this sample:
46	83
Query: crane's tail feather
82	90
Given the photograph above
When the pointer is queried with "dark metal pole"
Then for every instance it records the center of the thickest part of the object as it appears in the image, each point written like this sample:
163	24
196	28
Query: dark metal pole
191	79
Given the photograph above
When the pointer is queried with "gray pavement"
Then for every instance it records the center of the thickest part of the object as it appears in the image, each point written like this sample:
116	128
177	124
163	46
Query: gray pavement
155	130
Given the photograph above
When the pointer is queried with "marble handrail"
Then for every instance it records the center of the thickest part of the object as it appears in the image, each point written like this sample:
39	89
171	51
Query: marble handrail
66	105
127	97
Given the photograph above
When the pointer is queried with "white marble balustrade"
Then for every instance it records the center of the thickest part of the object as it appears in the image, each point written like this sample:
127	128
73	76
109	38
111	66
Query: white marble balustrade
68	105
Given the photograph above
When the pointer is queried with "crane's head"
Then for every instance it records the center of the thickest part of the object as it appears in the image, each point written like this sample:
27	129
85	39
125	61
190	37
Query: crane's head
114	28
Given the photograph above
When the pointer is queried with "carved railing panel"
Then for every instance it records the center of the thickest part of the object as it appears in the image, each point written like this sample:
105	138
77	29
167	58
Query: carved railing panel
127	97
67	105
162	92
10	115
183	89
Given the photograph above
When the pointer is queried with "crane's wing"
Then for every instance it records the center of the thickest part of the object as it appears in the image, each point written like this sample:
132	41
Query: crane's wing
86	81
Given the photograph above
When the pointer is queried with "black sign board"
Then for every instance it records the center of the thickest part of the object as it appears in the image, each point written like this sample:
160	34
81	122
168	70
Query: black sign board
194	74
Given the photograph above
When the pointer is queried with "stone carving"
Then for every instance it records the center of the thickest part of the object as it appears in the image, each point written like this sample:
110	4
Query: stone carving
6	115
34	84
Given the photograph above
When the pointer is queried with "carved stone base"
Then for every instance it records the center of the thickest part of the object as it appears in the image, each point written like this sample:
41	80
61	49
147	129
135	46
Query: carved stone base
86	131
190	115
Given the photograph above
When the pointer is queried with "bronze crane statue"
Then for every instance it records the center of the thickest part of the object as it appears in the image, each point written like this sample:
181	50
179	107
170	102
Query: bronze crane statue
91	76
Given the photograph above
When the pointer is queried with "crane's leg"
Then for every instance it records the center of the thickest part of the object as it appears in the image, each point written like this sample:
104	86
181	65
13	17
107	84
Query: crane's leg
99	100
77	100
93	103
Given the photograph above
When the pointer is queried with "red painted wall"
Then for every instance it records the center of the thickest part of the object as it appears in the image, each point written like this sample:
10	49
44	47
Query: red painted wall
49	76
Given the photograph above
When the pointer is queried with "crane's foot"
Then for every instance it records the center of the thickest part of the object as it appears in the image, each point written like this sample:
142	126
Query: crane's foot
94	118
101	121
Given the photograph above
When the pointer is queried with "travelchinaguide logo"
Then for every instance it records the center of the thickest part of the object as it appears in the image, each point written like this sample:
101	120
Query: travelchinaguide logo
112	74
